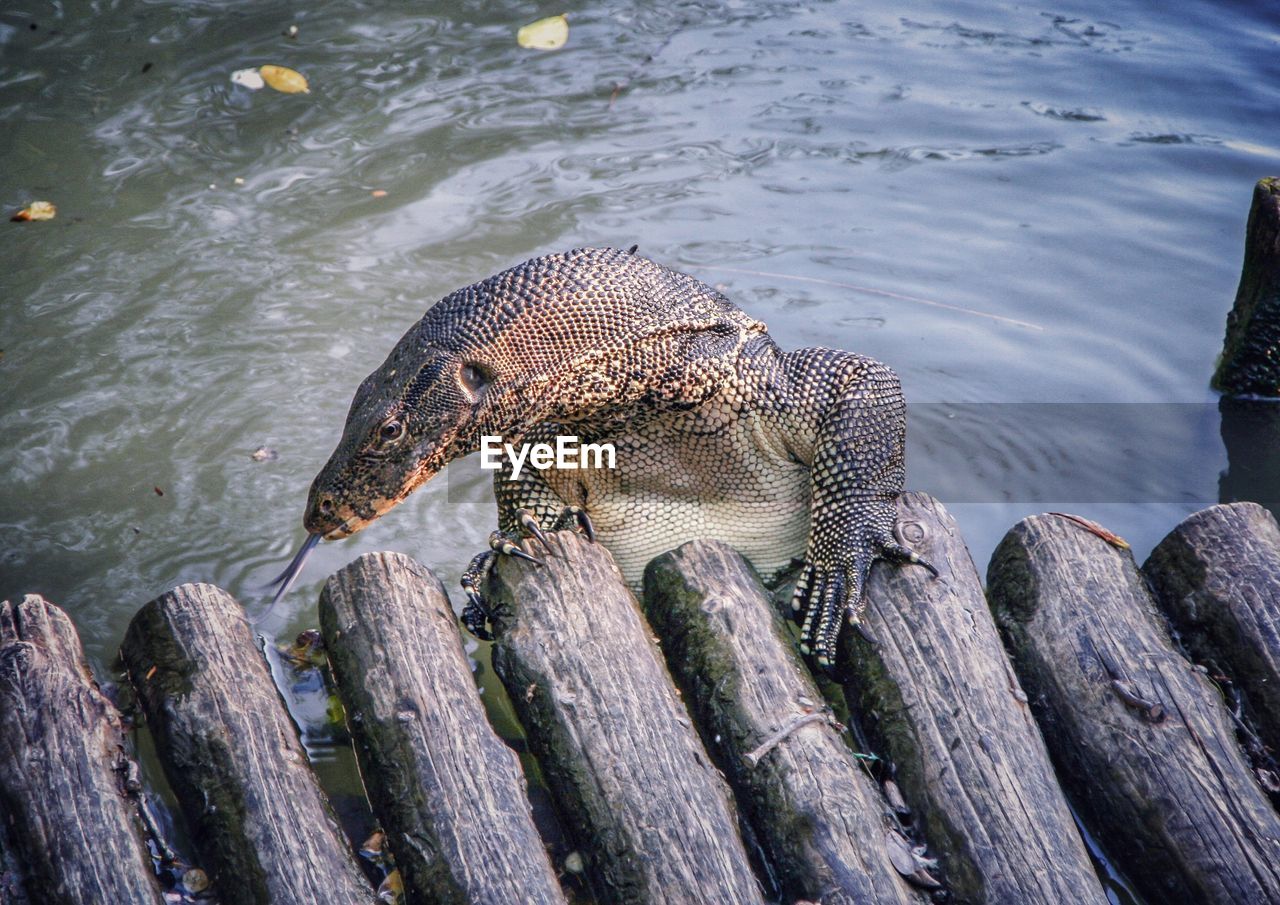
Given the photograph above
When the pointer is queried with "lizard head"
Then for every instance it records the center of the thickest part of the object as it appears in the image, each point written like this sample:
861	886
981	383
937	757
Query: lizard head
407	421
552	339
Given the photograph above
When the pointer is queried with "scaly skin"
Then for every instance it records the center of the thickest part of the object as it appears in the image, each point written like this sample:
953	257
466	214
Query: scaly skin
718	433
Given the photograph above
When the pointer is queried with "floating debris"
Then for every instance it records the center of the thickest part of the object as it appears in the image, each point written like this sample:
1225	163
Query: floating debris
545	34
248	78
36	210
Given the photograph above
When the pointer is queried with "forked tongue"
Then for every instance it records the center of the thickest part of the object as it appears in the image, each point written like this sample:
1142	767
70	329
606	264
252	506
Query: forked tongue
285	579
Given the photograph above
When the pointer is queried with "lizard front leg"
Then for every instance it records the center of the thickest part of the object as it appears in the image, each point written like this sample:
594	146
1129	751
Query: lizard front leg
856	474
525	504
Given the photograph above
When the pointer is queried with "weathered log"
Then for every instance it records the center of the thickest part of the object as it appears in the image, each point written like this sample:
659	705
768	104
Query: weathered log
1139	737
61	747
448	791
614	741
937	695
1250	362
822	822
1217	577
233	756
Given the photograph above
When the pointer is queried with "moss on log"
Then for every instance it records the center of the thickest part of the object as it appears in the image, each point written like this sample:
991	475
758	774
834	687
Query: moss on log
614	741
937	694
61	745
1217	577
1140	738
821	820
1250	362
448	790
233	756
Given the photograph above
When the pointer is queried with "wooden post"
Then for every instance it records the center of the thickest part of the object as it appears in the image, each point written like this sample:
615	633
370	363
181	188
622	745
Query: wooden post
615	744
1250	364
61	745
449	792
937	694
233	756
1139	737
1217	577
823	823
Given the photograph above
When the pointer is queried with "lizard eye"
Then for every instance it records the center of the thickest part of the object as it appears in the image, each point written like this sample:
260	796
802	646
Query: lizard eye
474	379
391	431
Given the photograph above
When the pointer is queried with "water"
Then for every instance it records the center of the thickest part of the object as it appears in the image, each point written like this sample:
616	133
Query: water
220	276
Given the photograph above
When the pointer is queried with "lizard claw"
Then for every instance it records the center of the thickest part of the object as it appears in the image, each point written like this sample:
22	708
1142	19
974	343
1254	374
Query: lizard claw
505	545
529	522
576	517
896	553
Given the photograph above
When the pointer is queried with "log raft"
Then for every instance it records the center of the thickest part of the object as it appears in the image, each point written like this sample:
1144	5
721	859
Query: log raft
617	747
938	696
449	792
1217	577
233	756
1141	740
826	829
62	799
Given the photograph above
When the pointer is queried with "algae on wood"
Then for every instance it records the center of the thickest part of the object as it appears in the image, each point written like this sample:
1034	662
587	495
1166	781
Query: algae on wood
1250	364
449	792
233	757
616	745
61	744
822	822
1217	577
937	694
1139	737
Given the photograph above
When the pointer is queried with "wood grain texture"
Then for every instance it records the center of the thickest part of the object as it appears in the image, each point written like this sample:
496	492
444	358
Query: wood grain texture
233	756
1217	577
937	695
61	799
820	818
447	789
1171	799
614	741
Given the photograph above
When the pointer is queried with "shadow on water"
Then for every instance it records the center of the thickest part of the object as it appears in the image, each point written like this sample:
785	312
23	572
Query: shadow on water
1251	434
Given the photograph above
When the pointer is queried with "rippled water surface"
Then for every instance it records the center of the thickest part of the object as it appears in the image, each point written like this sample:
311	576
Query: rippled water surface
221	276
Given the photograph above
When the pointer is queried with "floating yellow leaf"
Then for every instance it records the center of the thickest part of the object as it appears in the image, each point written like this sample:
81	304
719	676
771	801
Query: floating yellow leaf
545	34
36	210
282	78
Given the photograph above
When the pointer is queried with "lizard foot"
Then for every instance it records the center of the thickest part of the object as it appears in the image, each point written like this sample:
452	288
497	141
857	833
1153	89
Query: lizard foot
826	590
476	615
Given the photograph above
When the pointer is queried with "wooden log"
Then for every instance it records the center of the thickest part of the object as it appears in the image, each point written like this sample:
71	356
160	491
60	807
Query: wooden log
61	753
1139	737
1217	577
233	756
937	694
447	789
822	822
1250	365
615	743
